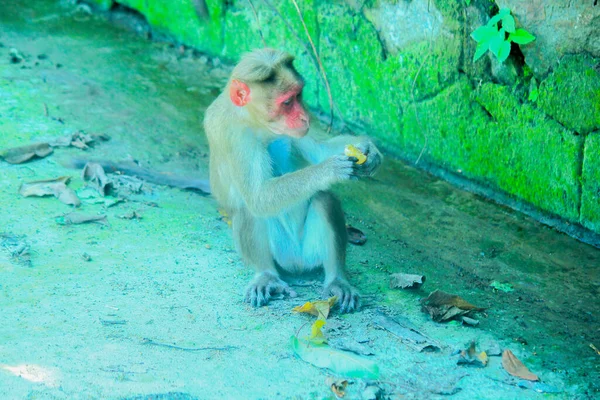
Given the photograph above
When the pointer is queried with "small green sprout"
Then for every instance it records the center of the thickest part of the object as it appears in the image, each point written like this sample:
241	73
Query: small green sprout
497	35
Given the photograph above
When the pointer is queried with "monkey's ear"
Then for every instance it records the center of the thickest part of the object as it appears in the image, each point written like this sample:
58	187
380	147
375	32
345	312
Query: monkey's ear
239	93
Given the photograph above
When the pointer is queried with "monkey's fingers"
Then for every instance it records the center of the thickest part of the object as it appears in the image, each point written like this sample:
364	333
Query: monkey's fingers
257	295
348	297
280	287
349	301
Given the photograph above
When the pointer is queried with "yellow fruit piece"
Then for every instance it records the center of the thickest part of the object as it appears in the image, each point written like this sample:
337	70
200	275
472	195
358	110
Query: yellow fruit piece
352	151
319	308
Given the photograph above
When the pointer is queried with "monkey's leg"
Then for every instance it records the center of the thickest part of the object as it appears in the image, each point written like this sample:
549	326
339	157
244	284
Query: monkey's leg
252	241
325	243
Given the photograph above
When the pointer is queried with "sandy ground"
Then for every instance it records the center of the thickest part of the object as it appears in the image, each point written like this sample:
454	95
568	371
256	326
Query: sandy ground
152	307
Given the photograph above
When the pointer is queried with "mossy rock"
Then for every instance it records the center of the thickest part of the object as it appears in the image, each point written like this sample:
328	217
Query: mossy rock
590	185
498	142
528	154
571	94
370	88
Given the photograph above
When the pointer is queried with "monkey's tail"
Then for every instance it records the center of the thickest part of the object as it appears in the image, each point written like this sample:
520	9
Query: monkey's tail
160	178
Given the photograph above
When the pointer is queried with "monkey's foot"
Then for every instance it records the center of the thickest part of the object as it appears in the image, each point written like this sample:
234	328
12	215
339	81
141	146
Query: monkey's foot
348	297
263	286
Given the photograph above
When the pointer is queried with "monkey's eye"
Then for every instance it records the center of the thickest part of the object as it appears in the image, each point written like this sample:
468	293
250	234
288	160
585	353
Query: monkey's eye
288	102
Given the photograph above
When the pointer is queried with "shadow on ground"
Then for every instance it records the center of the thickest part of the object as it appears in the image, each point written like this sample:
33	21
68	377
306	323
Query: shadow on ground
126	310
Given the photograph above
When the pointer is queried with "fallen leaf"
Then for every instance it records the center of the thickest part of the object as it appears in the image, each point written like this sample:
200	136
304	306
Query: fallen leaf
349	344
469	321
356	236
338	386
107	201
443	306
94	174
515	367
80	218
51	187
18	155
406	281
78	139
406	332
472	357
316	334
319	308
339	362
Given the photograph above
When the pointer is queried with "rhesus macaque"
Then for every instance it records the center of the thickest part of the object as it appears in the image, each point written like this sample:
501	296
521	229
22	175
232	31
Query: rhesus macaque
273	180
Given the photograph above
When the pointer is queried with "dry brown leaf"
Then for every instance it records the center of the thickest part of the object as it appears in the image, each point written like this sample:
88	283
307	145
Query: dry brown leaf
80	218
515	367
443	306
18	155
78	139
94	174
51	187
406	281
319	308
69	197
338	386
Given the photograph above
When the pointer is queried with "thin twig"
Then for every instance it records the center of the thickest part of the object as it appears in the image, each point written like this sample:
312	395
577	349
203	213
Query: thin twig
412	92
258	23
171	346
327	87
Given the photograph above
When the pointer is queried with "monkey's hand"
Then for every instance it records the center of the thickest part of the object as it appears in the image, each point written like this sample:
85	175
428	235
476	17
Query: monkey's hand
348	297
263	286
338	168
374	159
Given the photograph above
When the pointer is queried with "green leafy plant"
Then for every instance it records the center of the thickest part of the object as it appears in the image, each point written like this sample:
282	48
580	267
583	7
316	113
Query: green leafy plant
497	36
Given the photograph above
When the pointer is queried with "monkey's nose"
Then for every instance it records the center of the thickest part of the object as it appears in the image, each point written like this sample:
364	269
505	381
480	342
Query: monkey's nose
305	120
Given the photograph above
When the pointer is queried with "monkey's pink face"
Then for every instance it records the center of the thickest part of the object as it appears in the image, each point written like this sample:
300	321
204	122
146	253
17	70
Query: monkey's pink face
284	115
288	115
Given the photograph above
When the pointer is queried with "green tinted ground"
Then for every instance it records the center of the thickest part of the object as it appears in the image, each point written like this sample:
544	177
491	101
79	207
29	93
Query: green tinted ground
173	277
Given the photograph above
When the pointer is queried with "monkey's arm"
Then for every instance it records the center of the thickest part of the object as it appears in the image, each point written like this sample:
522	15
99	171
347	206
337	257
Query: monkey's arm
315	151
266	195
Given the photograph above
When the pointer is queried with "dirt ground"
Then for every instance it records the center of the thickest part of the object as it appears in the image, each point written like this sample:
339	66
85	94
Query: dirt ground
151	307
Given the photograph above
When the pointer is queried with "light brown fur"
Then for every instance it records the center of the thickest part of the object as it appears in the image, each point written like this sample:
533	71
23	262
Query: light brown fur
274	184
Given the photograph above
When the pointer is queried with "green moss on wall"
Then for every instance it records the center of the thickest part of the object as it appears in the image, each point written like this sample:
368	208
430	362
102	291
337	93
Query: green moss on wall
528	154
571	94
373	88
590	191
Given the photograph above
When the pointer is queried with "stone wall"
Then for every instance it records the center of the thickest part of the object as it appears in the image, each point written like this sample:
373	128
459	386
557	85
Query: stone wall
402	71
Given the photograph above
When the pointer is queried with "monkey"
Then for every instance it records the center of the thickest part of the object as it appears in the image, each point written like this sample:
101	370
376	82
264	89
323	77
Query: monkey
273	179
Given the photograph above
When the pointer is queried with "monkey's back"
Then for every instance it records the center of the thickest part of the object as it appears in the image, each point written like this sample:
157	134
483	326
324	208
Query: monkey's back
216	126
